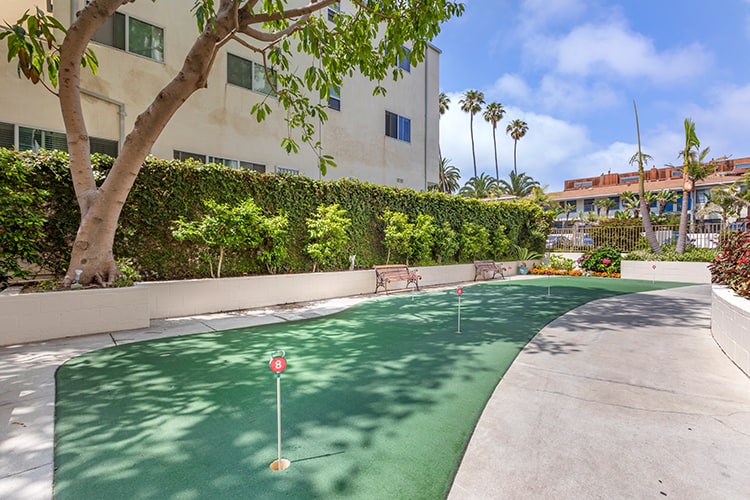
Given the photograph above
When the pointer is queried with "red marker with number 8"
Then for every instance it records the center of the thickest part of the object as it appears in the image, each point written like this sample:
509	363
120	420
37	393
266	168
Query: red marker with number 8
277	364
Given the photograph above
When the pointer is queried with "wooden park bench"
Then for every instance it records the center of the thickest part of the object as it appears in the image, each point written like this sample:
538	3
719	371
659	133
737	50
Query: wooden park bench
384	275
485	266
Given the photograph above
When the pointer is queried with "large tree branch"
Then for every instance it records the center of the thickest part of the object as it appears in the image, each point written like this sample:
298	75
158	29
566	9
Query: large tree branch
90	19
264	36
247	17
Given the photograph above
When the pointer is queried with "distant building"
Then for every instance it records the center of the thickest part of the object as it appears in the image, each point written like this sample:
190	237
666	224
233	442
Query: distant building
580	194
389	140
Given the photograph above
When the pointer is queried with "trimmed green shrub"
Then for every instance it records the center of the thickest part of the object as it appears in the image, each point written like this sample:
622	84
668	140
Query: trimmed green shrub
328	233
21	218
168	190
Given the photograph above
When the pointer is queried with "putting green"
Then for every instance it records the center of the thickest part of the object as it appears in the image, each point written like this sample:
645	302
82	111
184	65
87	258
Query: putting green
378	401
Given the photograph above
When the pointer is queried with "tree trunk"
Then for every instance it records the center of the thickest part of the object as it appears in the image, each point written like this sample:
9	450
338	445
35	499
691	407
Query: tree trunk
494	143
101	206
682	231
515	163
473	154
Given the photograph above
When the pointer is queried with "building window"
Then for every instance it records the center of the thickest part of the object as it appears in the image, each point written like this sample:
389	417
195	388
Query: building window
227	162
334	10
286	171
250	75
36	139
404	62
133	35
630	178
185	156
334	100
397	127
258	167
218	160
676	173
583	184
588	205
7	135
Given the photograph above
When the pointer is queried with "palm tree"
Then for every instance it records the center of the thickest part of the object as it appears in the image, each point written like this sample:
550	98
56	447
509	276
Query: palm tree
724	200
665	197
520	185
483	186
604	204
642	159
517	129
694	169
493	114
449	176
631	202
443	103
472	103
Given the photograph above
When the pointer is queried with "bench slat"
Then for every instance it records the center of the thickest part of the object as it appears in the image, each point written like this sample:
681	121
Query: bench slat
394	272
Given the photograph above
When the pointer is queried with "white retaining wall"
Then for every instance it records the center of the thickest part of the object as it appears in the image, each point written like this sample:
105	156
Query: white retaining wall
36	317
33	317
730	325
683	272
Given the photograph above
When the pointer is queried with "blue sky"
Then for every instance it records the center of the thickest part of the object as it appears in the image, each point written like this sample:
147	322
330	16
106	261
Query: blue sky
572	68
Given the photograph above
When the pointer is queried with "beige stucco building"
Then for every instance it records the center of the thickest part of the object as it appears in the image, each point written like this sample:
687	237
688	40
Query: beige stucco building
389	140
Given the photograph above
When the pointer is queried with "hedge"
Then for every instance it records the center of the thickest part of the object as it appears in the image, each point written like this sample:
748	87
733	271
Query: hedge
166	190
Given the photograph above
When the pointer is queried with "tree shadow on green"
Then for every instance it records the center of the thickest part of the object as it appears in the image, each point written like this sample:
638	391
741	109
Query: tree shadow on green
378	401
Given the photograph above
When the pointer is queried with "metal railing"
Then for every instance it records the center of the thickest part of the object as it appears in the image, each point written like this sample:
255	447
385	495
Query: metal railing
629	238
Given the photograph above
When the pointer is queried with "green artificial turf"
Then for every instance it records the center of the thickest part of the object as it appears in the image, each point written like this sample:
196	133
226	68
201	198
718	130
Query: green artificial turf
378	401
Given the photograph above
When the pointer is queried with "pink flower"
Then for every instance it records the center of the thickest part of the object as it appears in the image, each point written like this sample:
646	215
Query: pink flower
606	261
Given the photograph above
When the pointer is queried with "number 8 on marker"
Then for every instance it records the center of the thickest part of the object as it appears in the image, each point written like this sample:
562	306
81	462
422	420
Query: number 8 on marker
278	364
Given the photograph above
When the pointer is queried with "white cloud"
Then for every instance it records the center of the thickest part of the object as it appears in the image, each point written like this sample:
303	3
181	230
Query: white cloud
536	15
617	52
510	88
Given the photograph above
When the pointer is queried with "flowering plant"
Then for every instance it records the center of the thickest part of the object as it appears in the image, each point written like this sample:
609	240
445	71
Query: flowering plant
732	266
602	260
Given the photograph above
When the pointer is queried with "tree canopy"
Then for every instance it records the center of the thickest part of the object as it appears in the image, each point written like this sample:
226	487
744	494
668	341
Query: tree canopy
370	40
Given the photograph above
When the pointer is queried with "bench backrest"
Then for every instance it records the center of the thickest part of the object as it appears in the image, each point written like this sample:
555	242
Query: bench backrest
393	272
485	264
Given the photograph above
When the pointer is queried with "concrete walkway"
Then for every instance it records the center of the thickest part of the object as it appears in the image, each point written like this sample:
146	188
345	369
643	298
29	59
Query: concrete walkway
627	397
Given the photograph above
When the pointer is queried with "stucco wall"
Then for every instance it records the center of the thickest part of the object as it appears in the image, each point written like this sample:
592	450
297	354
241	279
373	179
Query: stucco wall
35	317
681	272
730	325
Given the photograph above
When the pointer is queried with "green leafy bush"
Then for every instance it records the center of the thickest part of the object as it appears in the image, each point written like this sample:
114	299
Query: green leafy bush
692	254
732	265
21	218
561	263
128	274
601	260
169	190
328	236
446	243
474	241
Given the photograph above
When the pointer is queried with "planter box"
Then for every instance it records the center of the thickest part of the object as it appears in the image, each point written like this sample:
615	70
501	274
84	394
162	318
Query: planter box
682	272
730	325
34	317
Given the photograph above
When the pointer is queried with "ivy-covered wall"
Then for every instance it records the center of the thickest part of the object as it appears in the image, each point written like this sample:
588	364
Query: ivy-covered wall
167	190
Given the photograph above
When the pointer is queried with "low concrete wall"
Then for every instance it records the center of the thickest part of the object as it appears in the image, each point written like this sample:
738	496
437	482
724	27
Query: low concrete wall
42	316
34	317
683	272
730	325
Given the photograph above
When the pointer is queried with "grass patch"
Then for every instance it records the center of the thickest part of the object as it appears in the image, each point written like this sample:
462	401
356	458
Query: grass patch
378	401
